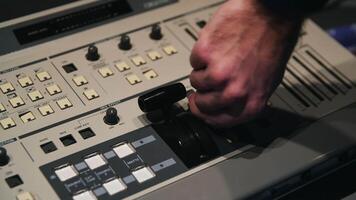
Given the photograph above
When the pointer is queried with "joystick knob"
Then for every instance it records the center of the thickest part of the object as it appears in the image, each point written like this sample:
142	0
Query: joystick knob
111	117
93	53
4	158
125	43
156	32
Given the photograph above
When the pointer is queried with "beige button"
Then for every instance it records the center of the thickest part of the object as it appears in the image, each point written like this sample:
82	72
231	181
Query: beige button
27	117
35	95
122	66
170	50
43	76
46	110
138	60
154	55
64	103
53	89
25	81
16	102
150	74
7	87
80	80
2	108
7	123
133	79
90	94
105	72
25	196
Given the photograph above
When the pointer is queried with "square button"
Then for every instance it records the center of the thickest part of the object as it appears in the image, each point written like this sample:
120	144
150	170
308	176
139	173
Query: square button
16	102
48	147
80	80
133	79
122	66
90	94
143	174
150	74
27	117
170	50
87	133
7	123
35	95
123	150
87	195
69	68
2	108
64	103
7	87
66	173
68	140
14	181
95	161
45	110
25	81
53	89
154	55
25	196
43	76
105	72
114	186
138	60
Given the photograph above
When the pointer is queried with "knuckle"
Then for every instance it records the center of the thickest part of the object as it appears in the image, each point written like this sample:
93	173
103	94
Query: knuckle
234	95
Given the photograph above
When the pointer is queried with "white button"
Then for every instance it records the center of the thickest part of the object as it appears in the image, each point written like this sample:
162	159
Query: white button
25	196
66	173
43	76
35	95
2	108
122	66
90	94
7	123
80	80
53	89
138	60
87	195
154	55
16	102
25	81
114	186
124	150
27	117
143	174
105	72
46	110
7	87
150	74
64	103
170	50
95	161
133	79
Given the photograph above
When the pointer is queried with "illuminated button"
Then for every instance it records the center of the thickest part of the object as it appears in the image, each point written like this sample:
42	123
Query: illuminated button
35	95
133	79
154	55
143	174
16	102
46	110
43	76
105	72
66	173
138	60
27	117
25	196
114	186
123	150
7	123
25	81
64	103
80	80
53	89
87	195
122	66
95	161
2	108
150	74
7	87
90	94
170	50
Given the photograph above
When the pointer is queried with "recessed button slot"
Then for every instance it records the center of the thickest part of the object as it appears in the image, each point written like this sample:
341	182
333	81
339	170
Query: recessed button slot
68	140
87	133
14	181
69	68
48	147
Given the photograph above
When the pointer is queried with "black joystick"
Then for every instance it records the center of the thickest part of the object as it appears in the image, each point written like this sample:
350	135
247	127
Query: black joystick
125	43
4	158
93	53
111	117
156	32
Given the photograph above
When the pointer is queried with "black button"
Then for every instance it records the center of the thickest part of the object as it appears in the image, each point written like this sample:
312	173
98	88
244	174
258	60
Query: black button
68	140
86	133
48	147
201	23
14	181
69	68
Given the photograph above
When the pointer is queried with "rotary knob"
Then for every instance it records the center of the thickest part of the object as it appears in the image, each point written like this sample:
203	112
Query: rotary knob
93	53
4	158
125	43
156	32
111	117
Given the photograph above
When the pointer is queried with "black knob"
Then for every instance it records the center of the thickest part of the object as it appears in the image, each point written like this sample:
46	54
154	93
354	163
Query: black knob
93	53
4	158
156	32
125	43
111	117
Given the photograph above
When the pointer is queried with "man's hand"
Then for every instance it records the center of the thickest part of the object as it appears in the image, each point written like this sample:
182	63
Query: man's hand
238	62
